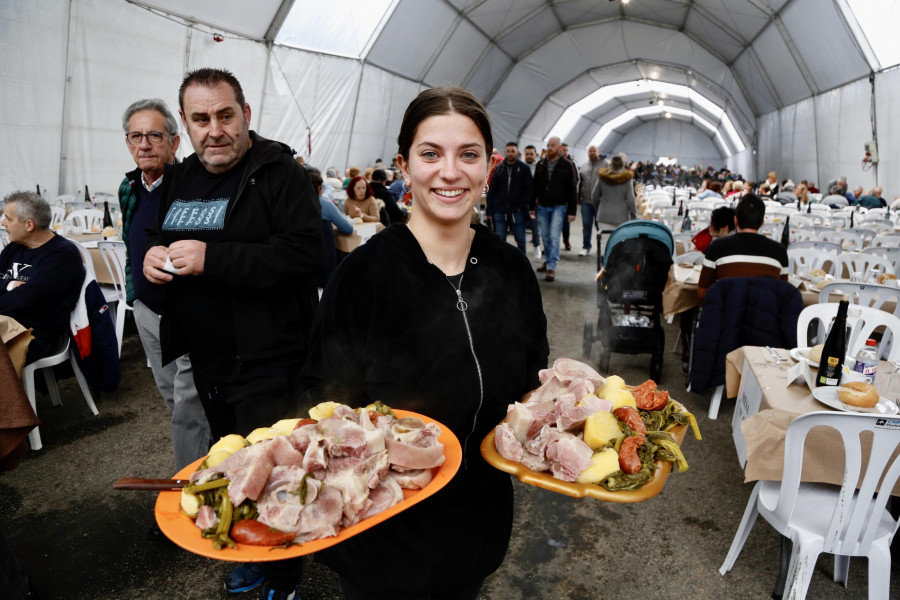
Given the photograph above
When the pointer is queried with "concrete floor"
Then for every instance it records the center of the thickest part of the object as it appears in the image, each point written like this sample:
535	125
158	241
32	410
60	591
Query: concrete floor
80	539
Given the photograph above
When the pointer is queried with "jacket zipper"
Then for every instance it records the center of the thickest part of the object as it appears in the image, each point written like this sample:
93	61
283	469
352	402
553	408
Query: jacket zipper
462	306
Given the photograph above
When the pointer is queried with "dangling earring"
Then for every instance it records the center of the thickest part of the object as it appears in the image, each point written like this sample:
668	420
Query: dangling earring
486	188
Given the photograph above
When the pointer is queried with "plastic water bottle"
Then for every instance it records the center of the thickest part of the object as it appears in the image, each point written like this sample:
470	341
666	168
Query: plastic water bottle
867	360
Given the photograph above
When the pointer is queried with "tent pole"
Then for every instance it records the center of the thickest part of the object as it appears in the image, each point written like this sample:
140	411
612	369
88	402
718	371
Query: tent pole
64	132
262	100
362	68
874	123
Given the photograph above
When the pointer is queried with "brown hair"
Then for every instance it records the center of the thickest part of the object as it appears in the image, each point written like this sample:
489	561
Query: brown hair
443	101
210	78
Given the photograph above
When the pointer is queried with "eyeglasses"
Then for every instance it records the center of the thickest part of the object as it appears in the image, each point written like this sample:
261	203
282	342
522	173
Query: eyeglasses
154	137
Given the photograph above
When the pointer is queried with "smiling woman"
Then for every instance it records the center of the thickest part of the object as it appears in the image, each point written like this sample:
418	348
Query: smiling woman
419	318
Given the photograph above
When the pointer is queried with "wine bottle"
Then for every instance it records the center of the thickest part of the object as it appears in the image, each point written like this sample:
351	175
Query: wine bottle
808	207
681	208
786	232
831	365
851	219
38	189
87	195
107	218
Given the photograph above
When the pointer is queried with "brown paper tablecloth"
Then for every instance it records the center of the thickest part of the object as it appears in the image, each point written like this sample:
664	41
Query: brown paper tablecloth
16	417
344	242
15	338
764	432
100	270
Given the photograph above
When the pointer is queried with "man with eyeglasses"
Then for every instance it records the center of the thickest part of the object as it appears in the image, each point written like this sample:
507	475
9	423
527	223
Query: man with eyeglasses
151	135
240	227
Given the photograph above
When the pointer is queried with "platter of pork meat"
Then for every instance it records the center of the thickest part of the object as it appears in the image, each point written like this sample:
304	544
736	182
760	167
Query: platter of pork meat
304	485
585	435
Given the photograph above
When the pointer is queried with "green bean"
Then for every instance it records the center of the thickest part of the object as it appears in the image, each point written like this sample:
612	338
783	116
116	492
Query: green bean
209	485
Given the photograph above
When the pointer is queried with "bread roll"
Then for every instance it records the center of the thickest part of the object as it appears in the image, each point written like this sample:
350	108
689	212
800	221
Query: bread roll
815	353
858	393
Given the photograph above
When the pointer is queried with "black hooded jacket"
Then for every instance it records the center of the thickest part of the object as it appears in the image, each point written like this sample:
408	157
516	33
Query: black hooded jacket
267	261
389	329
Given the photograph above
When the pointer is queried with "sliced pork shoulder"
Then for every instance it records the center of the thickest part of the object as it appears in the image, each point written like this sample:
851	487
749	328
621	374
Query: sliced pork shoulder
412	445
568	456
386	495
519	419
412	480
508	446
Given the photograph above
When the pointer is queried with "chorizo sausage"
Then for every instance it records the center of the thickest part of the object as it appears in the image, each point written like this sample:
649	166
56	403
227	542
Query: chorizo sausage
629	461
254	533
632	418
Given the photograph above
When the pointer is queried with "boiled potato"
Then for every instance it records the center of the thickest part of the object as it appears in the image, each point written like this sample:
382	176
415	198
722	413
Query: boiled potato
621	398
286	426
323	410
230	442
216	457
263	433
601	427
190	504
603	464
613	382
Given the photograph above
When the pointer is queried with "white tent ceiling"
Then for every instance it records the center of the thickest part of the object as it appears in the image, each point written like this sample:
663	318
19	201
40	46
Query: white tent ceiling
533	62
531	59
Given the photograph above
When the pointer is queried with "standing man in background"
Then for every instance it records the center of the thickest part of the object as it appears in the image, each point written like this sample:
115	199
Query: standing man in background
587	179
531	159
564	149
554	201
240	225
509	195
151	135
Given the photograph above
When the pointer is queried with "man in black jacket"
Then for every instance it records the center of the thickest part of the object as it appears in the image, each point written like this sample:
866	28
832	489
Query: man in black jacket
553	201
240	225
509	195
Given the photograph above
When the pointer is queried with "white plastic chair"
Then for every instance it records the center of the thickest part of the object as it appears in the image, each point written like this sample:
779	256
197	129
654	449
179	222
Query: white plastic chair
803	260
63	200
849	239
113	254
57	216
822	208
4	238
848	263
86	218
871	295
889	253
820	518
771	230
862	321
109	291
881	225
884	241
804	234
867	235
829	247
685	239
62	353
802	220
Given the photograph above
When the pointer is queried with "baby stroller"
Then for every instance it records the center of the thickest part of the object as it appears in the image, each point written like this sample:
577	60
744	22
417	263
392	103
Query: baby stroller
634	271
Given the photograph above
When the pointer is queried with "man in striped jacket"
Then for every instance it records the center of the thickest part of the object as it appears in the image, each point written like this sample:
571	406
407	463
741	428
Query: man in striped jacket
745	253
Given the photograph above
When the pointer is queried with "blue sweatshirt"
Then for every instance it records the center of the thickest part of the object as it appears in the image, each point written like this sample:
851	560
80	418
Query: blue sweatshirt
53	274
